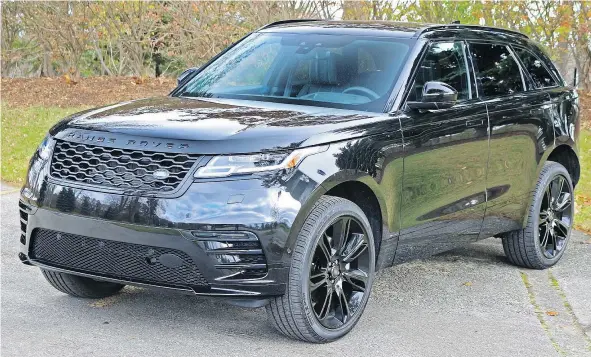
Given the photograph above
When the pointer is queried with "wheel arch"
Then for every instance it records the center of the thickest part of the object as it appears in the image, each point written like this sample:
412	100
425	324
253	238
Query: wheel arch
364	197
565	155
363	190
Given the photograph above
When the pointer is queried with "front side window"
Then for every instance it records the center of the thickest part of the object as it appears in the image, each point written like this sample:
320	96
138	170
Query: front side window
538	72
497	70
341	71
444	62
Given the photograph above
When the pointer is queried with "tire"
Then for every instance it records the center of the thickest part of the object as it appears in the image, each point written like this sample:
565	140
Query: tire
293	314
524	247
79	286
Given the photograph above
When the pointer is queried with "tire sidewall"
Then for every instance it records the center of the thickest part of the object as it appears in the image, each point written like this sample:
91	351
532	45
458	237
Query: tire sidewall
553	170
325	220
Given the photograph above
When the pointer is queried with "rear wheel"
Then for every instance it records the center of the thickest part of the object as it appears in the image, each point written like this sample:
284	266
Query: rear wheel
80	286
331	274
543	242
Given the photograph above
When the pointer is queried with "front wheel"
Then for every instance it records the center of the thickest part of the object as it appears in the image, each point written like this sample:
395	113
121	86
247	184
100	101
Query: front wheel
331	274
543	241
80	286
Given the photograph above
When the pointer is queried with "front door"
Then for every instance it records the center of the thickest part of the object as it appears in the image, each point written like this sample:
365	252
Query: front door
445	163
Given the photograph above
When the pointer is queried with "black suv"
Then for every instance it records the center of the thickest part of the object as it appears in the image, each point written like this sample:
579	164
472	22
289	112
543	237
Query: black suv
302	159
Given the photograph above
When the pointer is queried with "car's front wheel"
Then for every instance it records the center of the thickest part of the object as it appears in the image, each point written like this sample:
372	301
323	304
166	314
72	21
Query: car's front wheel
331	274
80	286
543	241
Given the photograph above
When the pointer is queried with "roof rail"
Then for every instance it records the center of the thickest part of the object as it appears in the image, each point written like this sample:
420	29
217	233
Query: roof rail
289	21
458	26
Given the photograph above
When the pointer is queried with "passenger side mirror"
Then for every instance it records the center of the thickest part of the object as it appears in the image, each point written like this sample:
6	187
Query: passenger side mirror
186	74
436	95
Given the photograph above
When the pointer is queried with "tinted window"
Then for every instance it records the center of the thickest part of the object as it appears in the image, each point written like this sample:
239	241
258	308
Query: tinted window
498	72
342	71
444	62
535	67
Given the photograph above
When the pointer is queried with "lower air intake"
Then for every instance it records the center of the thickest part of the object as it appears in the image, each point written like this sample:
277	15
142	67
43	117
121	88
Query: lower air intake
125	261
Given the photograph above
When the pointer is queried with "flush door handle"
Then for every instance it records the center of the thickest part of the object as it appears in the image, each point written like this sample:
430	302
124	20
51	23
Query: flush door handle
474	123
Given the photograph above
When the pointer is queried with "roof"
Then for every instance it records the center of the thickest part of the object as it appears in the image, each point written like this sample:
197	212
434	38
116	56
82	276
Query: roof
386	28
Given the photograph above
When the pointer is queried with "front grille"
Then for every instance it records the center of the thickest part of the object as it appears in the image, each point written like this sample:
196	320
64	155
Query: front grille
119	260
124	169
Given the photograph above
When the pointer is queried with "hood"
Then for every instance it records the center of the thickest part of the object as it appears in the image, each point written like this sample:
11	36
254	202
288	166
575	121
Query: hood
214	126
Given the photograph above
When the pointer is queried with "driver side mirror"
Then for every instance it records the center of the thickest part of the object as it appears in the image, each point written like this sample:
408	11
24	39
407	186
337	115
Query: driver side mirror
436	95
187	73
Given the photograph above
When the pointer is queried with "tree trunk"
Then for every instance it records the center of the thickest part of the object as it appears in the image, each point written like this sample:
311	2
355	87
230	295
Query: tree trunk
46	67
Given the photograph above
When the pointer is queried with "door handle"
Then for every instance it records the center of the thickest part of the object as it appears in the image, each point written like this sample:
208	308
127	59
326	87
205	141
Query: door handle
474	123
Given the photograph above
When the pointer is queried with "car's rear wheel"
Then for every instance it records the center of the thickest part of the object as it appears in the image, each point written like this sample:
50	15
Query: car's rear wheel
331	274
80	286
543	241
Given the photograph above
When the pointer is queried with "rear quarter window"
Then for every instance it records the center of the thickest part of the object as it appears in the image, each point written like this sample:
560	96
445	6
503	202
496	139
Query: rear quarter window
536	68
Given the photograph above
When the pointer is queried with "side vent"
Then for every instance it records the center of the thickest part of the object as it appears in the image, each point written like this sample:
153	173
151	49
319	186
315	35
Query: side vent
24	218
240	253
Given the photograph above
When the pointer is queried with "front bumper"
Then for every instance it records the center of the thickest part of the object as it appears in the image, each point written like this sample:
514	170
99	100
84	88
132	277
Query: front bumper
198	227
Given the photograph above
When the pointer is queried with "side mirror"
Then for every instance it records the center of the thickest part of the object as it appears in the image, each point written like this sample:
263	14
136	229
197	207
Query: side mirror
186	74
436	95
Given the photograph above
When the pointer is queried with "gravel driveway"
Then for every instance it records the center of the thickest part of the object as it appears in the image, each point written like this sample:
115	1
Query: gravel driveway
468	302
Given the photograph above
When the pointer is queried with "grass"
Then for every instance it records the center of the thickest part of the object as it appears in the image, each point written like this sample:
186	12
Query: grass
540	313
24	128
22	131
583	190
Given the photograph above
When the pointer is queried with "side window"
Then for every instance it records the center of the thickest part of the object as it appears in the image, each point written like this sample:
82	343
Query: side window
444	62
497	70
542	78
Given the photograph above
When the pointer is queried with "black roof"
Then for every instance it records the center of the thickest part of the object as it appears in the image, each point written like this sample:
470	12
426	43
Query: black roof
392	28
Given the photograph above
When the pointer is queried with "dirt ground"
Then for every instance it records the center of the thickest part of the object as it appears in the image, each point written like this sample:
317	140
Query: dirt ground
63	92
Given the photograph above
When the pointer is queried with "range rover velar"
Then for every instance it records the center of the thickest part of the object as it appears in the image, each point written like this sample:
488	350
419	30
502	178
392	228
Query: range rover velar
288	169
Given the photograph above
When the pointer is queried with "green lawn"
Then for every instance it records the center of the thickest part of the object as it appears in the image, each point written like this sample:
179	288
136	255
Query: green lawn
24	128
583	190
22	131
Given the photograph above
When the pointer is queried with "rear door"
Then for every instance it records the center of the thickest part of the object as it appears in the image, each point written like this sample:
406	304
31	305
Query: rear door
520	132
446	153
545	77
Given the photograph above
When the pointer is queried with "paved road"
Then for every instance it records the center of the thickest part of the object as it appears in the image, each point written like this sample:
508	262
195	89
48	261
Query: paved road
468	302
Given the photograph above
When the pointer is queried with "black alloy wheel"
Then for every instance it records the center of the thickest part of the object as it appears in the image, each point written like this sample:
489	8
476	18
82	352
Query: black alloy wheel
543	240
331	274
339	272
555	217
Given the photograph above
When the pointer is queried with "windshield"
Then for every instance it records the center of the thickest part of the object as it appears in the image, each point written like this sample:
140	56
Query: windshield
340	71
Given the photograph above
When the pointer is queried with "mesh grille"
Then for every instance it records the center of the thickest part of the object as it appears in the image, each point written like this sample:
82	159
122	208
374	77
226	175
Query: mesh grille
126	261
120	168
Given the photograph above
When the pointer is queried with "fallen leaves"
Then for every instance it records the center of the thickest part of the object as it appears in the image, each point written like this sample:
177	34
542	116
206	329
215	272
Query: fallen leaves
69	92
69	80
552	313
583	199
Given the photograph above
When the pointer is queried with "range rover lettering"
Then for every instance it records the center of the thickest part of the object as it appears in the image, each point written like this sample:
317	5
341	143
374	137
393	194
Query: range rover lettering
304	158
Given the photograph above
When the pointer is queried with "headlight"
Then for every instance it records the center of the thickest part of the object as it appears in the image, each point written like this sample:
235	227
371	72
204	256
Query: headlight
46	147
222	166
